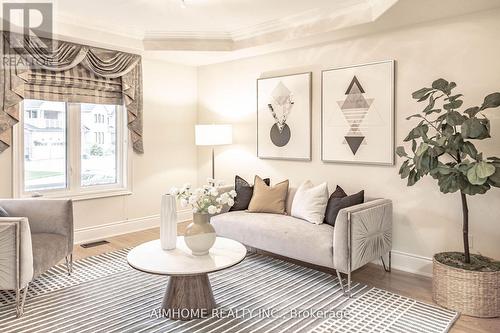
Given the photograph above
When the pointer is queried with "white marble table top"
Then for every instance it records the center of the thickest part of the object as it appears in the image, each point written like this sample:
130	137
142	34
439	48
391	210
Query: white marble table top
151	258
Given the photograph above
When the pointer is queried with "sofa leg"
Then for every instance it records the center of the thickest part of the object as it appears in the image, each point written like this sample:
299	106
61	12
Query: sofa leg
347	289
386	268
20	300
69	263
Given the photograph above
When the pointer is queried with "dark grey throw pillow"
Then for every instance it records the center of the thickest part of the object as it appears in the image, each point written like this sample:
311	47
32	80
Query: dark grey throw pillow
3	212
339	200
244	193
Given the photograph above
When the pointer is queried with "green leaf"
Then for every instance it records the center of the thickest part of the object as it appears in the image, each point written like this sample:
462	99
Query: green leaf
484	169
454	143
430	106
413	145
414	116
413	177
453	105
447	130
474	128
451	86
474	177
448	183
494	179
491	101
472	111
444	169
422	94
400	151
440	84
471	189
464	167
454	118
469	148
454	97
436	151
404	171
418	132
422	148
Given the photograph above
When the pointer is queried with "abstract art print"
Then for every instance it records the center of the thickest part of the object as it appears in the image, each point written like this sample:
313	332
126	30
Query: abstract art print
357	119
284	117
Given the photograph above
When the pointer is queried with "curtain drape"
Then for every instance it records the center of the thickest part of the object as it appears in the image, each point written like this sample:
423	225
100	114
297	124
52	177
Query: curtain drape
62	71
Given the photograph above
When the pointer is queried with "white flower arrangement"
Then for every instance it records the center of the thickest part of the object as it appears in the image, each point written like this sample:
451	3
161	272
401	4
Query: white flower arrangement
206	199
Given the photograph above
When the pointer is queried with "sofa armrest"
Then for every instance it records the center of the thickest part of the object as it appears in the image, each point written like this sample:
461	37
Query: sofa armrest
16	255
44	215
362	234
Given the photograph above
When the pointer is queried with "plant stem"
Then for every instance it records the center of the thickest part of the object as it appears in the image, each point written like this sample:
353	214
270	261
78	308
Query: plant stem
465	213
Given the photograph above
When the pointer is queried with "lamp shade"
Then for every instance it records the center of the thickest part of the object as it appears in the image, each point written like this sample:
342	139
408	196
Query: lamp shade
213	135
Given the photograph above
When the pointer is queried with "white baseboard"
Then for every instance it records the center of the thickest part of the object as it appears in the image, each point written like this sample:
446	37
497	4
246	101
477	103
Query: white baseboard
99	232
410	263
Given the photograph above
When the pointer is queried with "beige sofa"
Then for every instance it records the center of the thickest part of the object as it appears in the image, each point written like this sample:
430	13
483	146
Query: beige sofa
362	233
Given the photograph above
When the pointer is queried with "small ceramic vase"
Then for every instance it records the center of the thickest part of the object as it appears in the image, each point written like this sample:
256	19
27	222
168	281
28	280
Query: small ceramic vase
200	235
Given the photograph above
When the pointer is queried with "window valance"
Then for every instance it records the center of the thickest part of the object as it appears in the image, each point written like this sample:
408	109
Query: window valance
63	71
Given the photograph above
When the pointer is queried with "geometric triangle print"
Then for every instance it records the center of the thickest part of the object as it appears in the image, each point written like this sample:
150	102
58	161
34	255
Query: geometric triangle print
355	101
354	87
354	142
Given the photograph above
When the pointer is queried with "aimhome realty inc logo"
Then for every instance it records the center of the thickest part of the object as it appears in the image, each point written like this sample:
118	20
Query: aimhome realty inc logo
246	313
27	26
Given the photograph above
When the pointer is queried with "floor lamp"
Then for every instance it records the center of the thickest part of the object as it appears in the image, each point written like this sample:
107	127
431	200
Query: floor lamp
213	135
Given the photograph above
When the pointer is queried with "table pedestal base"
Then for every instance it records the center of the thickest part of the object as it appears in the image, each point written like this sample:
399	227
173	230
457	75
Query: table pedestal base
188	297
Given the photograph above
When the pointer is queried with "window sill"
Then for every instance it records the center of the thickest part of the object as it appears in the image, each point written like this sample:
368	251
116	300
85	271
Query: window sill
85	196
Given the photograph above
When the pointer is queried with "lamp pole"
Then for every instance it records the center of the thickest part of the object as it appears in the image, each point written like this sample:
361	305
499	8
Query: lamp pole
213	162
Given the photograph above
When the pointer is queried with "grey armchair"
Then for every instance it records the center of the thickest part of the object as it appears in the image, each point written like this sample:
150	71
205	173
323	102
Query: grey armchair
37	235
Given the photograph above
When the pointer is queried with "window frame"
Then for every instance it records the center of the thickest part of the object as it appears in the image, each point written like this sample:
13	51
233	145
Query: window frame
74	189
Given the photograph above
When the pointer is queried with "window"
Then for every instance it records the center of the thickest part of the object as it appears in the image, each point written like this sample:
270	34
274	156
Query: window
98	155
68	149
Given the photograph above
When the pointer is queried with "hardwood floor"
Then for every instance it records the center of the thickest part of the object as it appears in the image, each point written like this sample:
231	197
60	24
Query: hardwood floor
406	284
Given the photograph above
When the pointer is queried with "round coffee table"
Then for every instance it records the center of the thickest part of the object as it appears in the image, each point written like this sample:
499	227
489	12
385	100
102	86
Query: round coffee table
189	293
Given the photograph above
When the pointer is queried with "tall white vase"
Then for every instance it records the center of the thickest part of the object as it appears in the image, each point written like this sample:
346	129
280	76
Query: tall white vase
168	223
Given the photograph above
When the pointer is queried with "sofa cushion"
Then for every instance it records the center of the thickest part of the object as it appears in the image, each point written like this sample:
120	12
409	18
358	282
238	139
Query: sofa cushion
268	199
310	202
48	250
244	193
279	234
339	200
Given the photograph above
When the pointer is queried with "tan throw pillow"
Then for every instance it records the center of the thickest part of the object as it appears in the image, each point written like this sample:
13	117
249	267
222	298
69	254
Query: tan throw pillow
268	199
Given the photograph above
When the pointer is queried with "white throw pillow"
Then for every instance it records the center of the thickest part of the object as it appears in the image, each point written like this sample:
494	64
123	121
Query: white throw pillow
310	202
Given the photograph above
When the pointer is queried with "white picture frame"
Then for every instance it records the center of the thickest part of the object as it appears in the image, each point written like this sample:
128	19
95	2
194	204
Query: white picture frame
357	114
284	117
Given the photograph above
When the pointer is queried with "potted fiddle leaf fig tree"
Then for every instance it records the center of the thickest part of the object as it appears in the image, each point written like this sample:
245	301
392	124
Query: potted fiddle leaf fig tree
442	146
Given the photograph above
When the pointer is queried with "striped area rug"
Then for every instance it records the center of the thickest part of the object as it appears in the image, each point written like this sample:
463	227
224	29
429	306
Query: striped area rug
261	294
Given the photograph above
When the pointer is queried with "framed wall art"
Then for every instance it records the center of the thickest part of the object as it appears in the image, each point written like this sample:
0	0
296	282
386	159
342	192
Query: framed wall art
284	117
357	114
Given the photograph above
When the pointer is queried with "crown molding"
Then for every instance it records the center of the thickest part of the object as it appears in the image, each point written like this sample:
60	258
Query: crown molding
308	23
119	30
298	20
279	24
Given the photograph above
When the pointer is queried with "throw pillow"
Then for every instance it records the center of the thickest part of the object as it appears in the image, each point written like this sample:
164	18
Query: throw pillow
268	199
339	200
3	212
244	193
310	202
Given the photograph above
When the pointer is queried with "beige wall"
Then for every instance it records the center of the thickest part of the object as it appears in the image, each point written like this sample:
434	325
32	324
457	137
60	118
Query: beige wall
462	49
170	93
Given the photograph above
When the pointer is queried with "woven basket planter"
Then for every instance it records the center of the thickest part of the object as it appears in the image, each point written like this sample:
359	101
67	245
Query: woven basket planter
469	292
